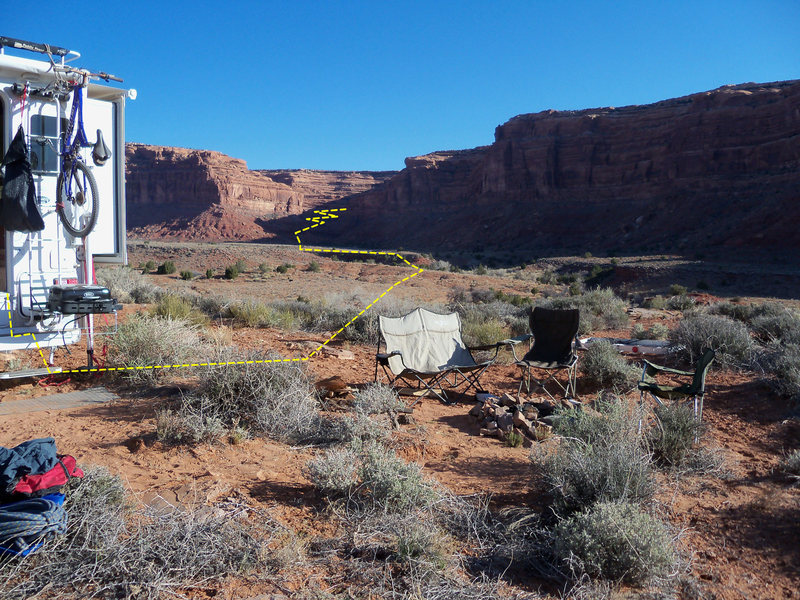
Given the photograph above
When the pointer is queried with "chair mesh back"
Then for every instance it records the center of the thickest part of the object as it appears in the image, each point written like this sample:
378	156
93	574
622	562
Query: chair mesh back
553	332
429	342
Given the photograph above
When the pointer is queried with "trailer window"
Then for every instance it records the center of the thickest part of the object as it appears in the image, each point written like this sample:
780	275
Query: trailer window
44	144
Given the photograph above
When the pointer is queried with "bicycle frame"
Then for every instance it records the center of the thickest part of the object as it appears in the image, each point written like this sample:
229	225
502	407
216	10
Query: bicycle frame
71	148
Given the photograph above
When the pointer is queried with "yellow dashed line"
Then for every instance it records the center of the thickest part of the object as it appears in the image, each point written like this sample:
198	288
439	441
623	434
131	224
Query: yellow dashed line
325	215
13	335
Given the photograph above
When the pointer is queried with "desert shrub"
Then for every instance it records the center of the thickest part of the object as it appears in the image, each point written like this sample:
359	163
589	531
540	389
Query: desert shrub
657	331
747	312
579	474
313	267
656	302
783	362
482	333
142	342
730	339
250	313
187	275
416	542
791	464
166	268
149	266
334	472
209	273
677	290
231	272
356	428
602	365
616	541
284	268
481	270
610	421
680	302
371	476
600	309
489	321
188	426
547	277
110	550
377	398
262	393
389	481
783	327
240	265
175	307
672	438
439	265
127	285
263	268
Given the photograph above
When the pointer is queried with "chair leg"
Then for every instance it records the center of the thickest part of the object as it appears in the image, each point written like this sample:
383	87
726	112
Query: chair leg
641	411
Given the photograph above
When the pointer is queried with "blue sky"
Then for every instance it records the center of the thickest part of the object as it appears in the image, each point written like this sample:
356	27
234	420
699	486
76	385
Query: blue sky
362	85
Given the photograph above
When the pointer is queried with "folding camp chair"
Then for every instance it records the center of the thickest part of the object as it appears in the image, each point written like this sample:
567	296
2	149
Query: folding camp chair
694	390
424	349
555	336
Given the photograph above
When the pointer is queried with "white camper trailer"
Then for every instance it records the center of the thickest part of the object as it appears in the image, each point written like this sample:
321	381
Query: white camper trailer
37	94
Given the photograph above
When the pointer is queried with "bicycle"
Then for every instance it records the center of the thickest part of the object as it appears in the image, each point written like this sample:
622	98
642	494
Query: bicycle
77	198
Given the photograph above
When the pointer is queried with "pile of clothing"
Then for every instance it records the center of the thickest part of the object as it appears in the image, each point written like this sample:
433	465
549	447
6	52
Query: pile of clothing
32	476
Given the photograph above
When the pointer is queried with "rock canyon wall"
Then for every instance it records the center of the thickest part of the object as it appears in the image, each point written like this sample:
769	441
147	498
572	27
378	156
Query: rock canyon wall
708	172
200	194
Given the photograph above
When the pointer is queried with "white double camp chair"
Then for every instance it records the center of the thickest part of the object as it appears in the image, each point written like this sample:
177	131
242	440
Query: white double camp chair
424	350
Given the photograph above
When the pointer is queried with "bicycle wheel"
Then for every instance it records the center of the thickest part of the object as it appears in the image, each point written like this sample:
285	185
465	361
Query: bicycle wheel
78	201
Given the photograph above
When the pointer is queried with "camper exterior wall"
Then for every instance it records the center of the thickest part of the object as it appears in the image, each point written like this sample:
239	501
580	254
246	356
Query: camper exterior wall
36	261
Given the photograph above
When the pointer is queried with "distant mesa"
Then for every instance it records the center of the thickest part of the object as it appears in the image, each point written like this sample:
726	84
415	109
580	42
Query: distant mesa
708	172
205	195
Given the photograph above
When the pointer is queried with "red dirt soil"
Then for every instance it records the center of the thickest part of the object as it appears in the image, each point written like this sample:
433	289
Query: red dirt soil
742	532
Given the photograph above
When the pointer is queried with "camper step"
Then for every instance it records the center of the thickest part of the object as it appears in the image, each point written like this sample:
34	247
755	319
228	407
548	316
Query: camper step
30	373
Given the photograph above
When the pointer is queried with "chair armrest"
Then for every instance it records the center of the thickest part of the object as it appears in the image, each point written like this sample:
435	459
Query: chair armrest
517	339
486	347
383	357
512	343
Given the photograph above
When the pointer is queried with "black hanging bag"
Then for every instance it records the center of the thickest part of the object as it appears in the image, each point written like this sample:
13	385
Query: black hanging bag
19	210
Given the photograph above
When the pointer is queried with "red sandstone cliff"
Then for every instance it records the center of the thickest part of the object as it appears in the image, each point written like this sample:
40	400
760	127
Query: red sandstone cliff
321	187
707	171
201	194
191	194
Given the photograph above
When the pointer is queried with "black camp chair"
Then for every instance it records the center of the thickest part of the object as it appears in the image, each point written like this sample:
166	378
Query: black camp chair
695	389
554	341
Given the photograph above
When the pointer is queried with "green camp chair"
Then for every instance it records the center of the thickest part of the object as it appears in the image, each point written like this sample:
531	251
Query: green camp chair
696	389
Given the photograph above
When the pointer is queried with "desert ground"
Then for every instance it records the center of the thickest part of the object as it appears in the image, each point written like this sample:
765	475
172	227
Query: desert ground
736	522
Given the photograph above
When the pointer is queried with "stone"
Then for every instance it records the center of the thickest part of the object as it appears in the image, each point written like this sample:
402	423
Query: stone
530	412
476	411
406	419
507	400
505	421
333	386
520	420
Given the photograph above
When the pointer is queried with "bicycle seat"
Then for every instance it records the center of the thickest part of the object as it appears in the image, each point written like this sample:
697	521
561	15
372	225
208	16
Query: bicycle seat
100	152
